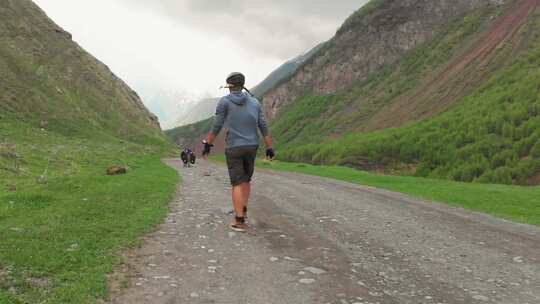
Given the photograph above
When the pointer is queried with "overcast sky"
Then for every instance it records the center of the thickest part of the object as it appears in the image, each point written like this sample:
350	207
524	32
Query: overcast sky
170	51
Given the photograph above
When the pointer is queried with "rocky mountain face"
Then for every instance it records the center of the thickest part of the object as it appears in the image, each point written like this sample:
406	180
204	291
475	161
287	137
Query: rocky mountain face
377	35
284	72
48	81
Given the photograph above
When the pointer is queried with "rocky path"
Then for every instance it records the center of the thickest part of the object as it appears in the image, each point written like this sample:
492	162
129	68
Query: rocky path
323	241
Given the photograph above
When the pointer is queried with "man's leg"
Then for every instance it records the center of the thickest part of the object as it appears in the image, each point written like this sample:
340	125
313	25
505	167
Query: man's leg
240	163
238	198
246	192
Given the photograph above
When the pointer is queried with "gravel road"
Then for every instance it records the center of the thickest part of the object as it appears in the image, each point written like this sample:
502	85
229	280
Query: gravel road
316	240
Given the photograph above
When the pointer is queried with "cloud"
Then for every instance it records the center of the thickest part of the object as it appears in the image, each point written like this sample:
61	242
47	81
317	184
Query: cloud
281	28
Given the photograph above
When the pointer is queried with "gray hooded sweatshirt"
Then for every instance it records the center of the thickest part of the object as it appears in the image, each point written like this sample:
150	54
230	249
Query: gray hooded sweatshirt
241	115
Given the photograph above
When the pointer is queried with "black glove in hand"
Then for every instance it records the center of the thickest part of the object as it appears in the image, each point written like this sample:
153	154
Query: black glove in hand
207	148
270	154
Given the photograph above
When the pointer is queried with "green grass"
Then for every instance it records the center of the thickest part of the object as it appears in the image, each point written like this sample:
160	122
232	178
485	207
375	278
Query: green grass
515	203
67	232
60	236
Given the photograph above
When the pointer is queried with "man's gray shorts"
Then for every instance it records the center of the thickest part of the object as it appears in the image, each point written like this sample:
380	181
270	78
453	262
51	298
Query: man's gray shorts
241	164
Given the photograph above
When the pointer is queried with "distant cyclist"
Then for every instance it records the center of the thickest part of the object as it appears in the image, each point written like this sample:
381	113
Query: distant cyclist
191	157
242	115
185	156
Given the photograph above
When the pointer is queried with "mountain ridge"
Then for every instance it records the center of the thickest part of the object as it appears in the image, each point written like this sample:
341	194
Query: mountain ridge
285	71
386	30
49	81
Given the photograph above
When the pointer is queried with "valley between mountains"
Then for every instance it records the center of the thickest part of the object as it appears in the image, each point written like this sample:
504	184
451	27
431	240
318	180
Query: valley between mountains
407	162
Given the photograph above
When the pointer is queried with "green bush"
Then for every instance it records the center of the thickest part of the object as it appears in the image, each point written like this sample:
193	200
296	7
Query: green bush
535	151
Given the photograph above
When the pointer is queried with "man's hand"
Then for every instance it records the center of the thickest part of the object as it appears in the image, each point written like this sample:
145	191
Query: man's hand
270	154
207	148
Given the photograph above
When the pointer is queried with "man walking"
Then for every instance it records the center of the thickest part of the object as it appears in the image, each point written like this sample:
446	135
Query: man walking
242	116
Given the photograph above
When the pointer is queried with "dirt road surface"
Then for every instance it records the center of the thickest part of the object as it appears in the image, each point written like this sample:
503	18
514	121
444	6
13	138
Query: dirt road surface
317	240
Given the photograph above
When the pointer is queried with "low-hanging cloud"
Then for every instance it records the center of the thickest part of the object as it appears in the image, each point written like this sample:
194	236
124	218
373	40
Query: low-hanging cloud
279	28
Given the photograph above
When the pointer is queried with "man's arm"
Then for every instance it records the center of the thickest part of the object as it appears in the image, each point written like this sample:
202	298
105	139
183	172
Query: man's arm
263	127
211	138
268	141
219	121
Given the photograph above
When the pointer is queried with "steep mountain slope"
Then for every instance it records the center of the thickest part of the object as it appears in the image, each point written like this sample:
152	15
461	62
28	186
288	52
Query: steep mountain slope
284	72
424	82
58	104
463	73
48	81
376	36
469	66
492	135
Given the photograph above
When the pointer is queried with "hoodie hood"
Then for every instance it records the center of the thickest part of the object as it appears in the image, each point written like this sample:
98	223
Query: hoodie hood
239	98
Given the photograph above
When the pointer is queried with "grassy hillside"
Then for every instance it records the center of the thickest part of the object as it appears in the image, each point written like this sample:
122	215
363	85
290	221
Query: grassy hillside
64	119
491	135
48	81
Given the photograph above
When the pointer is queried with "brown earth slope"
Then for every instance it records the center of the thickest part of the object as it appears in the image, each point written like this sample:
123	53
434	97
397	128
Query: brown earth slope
463	74
378	38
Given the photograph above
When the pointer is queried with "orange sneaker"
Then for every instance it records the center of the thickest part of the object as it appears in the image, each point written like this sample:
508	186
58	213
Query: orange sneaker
239	225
